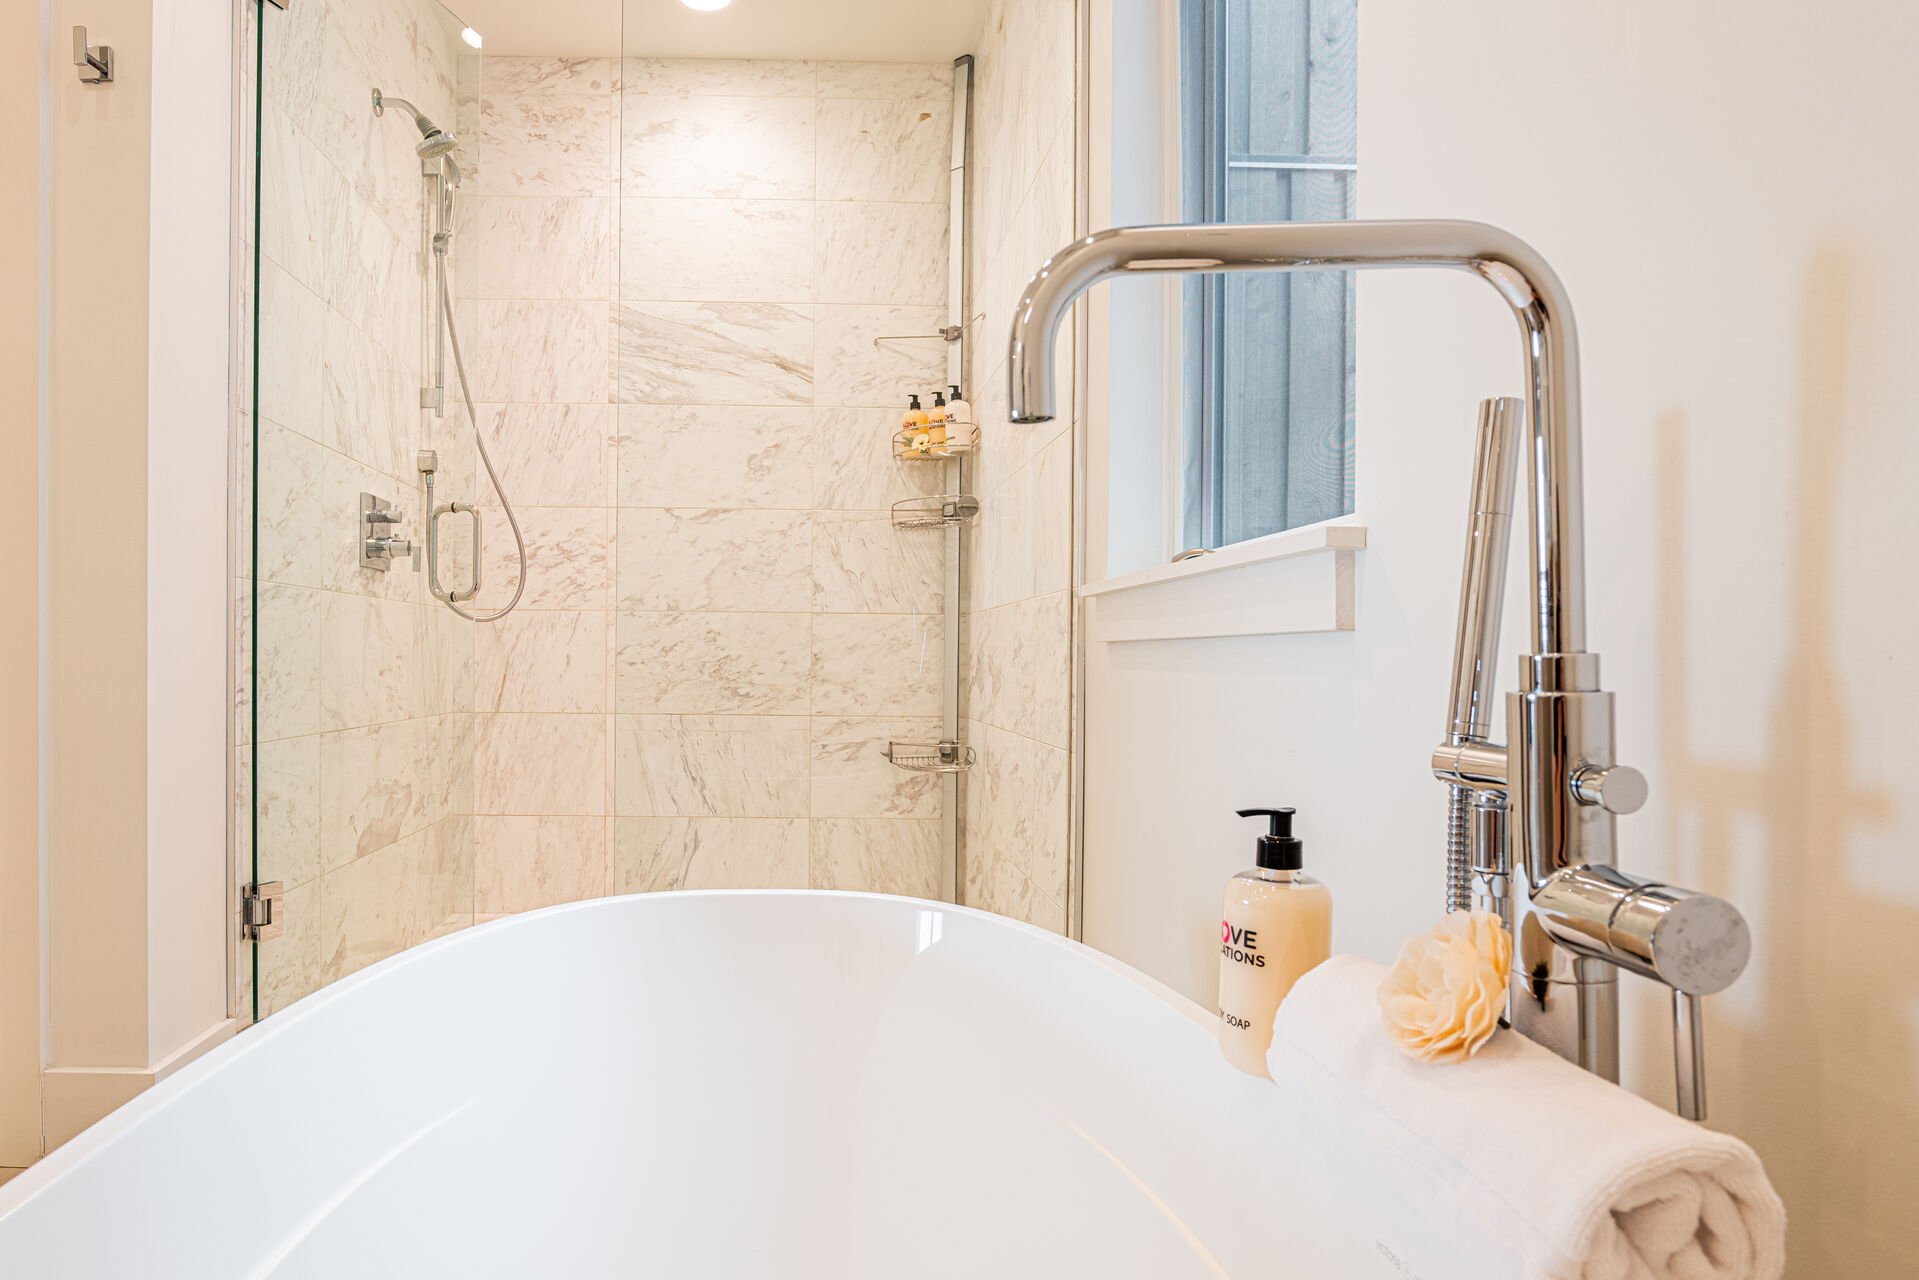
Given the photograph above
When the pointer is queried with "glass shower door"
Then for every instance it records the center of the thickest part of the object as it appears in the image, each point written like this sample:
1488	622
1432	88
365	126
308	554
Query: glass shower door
356	731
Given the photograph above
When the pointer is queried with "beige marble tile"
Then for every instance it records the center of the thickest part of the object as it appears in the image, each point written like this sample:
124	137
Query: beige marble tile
540	764
712	663
881	253
1007	530
546	144
854	370
374	788
569	558
877	664
508	76
740	353
879	150
289	810
395	898
303	204
876	855
718	77
525	863
446	645
651	854
287	666
711	766
450	770
1017	805
1018	667
549	455
291	965
293	49
1045	912
542	660
369	668
293	322
536	247
687	250
897	81
862	564
1052	522
376	283
992	883
853	464
852	778
728	147
539	351
690	558
370	401
297	527
716	456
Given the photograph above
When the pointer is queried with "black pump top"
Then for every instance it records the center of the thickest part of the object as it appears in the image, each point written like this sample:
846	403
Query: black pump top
912	402
1278	849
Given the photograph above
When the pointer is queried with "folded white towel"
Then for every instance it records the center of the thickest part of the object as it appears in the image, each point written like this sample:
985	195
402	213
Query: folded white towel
1543	1169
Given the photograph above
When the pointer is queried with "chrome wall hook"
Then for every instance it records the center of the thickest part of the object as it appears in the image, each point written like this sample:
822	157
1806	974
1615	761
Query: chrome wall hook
94	61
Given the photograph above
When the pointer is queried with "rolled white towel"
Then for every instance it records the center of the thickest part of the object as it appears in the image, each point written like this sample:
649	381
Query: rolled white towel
1541	1169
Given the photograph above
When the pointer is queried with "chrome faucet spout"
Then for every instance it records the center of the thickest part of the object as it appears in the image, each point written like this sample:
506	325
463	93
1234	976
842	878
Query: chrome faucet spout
1518	273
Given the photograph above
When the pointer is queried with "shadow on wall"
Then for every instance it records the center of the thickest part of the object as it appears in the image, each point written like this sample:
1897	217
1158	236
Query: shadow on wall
1821	1079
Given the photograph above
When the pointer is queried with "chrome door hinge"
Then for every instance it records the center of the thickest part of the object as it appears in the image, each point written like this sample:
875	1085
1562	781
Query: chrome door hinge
260	906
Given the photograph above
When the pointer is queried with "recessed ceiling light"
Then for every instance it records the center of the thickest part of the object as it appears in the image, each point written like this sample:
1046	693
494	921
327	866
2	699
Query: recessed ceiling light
706	6
471	36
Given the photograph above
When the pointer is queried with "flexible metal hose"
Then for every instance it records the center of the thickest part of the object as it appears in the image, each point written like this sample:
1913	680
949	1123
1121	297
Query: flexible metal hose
486	459
1459	856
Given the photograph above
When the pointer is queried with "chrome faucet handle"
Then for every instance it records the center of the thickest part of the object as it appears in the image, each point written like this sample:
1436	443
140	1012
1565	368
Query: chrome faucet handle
1619	788
1694	943
389	515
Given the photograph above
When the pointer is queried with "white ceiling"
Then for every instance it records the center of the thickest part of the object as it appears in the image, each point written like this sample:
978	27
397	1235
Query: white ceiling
843	30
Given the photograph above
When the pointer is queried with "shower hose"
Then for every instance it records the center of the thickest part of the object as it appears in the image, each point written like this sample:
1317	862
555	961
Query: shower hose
486	459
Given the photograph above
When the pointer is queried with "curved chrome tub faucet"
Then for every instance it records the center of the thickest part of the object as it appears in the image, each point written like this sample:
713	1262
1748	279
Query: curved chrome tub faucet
1541	808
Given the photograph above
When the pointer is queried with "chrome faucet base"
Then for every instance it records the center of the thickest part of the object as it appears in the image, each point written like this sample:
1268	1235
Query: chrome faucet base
1576	1016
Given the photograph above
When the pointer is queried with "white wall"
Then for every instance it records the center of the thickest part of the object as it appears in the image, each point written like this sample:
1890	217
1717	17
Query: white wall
21	123
189	242
1726	191
134	884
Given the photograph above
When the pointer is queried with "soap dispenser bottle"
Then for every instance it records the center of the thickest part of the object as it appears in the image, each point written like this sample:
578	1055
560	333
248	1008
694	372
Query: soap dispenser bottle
1278	923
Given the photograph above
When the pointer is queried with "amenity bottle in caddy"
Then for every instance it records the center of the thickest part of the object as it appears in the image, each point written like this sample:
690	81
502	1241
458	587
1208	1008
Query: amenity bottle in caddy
1278	923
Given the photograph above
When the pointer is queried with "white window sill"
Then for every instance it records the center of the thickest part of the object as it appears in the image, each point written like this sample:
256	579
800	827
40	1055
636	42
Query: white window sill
1294	582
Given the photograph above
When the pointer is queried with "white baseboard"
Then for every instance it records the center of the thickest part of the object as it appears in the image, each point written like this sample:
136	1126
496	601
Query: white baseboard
74	1097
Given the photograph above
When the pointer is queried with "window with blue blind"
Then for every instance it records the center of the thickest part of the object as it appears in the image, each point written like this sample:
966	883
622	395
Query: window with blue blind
1269	129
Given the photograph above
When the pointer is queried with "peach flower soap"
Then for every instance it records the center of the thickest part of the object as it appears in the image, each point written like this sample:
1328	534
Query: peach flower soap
1444	996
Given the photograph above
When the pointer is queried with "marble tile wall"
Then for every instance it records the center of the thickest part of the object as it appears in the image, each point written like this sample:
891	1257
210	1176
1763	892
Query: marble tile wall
1017	647
365	777
723	629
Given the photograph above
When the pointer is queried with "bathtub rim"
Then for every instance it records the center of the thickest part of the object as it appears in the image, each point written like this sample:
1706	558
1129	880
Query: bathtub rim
116	1124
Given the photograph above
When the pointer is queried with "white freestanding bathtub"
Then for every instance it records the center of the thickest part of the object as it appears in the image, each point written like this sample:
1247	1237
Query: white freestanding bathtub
717	1085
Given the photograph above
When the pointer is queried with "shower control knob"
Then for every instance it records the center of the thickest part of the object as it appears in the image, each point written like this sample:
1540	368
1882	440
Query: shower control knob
1617	789
391	515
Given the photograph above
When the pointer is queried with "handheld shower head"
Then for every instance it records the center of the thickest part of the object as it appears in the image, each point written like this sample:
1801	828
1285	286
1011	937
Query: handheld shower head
434	141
